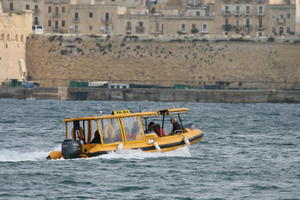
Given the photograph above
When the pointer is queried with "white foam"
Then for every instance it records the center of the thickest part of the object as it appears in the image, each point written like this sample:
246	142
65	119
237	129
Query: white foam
139	154
17	156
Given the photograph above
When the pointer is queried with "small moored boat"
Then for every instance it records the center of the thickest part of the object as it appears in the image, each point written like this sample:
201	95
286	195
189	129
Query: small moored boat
97	135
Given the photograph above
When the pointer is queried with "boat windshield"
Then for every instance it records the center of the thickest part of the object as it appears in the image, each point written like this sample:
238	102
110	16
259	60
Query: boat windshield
111	131
133	128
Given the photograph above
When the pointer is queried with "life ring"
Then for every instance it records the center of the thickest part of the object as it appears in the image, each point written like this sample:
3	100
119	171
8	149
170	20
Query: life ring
109	131
78	134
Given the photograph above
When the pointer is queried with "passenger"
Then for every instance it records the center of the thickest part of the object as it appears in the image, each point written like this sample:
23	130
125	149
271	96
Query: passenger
176	126
159	131
150	127
96	139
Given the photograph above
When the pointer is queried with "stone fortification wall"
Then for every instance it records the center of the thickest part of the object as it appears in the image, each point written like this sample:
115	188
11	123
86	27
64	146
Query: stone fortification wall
155	94
53	60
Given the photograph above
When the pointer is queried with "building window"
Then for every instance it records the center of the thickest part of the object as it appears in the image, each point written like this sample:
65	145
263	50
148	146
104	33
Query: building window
63	23
36	7
76	16
63	9
56	11
288	16
49	23
90	27
226	10
128	26
36	21
226	21
56	24
237	10
260	10
260	22
106	17
49	9
27	7
204	28
183	27
11	6
157	27
91	15
247	22
76	28
198	13
248	10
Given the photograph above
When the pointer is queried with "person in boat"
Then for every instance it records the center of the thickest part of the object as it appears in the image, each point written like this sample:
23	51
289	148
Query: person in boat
96	139
151	127
176	126
159	131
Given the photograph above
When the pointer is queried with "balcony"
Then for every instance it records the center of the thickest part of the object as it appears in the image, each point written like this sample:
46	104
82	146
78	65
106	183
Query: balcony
56	30
260	27
56	15
203	31
36	11
280	21
107	21
76	19
260	13
261	1
140	29
227	13
237	13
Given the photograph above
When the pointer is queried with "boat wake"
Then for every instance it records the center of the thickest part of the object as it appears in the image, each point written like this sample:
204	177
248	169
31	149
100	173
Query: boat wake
17	156
139	154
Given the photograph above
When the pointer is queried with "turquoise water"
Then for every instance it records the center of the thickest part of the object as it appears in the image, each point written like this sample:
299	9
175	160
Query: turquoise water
249	151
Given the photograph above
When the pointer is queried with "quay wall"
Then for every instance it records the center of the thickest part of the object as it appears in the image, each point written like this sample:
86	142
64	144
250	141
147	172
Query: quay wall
152	94
54	60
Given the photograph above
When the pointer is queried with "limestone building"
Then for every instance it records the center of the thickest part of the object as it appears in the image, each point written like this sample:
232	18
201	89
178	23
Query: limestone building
282	20
242	17
297	4
169	17
14	29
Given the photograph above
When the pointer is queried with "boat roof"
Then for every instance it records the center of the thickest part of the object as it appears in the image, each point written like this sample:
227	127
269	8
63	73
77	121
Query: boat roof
150	113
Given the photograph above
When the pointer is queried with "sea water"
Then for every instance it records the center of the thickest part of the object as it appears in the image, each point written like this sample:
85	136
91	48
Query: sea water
249	151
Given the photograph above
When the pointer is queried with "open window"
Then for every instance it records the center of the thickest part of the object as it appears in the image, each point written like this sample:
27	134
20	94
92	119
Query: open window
82	130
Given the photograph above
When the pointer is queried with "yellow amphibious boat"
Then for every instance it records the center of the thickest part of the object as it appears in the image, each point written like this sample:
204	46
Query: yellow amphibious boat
94	136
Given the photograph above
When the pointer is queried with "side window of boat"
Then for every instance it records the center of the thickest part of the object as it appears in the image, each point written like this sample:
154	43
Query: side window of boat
94	137
110	129
69	127
133	129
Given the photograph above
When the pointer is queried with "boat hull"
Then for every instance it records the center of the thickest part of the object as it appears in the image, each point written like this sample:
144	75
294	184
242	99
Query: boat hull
152	143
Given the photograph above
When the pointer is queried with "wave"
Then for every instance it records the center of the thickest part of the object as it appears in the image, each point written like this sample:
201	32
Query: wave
17	156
